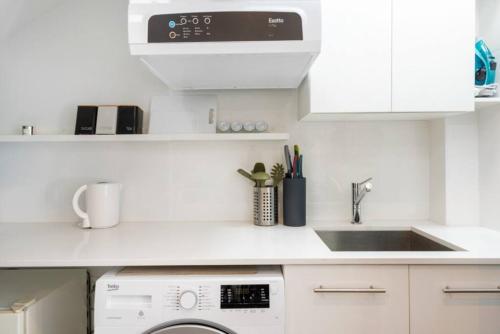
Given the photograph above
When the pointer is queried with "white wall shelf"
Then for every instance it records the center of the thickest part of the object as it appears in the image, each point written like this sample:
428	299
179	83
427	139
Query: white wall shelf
487	102
146	138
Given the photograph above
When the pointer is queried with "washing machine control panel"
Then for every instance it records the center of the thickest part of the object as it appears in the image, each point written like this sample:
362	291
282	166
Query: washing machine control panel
190	297
188	300
245	297
224	297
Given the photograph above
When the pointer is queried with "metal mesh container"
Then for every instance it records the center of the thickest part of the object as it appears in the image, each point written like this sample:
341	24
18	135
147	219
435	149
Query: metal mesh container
265	206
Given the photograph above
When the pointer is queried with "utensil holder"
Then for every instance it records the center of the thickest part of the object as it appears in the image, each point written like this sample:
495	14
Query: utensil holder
294	202
265	206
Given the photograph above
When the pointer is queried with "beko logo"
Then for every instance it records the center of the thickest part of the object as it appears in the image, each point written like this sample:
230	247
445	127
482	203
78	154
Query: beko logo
276	21
113	287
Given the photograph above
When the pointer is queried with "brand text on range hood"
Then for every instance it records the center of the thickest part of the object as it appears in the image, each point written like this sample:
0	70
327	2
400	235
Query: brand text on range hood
239	44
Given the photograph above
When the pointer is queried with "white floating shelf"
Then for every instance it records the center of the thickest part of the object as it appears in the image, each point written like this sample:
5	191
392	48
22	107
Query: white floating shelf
145	138
487	102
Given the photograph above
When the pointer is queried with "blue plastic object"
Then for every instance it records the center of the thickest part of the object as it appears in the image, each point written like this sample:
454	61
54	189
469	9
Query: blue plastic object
486	65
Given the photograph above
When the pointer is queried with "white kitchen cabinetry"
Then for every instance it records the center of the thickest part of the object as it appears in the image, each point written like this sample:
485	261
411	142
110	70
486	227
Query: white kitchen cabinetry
353	71
433	55
405	59
470	305
348	299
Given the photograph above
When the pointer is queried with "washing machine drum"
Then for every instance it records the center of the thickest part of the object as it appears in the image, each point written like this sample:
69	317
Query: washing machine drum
190	328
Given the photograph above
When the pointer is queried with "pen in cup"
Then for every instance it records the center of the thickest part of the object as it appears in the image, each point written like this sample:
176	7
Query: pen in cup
295	165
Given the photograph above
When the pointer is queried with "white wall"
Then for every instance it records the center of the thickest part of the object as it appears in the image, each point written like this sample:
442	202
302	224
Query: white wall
77	54
489	124
74	54
488	24
437	178
15	13
454	189
462	170
489	158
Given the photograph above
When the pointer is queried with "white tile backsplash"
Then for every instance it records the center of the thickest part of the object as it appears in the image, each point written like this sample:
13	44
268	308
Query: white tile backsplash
198	180
489	168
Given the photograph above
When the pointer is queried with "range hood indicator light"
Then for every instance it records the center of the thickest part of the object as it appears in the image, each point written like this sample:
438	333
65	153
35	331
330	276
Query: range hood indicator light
172	24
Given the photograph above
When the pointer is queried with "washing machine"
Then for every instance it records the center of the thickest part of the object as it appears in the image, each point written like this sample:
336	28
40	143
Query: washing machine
198	300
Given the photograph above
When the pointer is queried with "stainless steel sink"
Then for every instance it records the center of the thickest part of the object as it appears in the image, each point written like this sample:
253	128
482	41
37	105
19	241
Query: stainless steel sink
379	241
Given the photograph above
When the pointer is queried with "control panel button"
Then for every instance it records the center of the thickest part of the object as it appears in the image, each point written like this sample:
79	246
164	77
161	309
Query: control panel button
188	300
196	20
172	35
184	20
208	20
172	24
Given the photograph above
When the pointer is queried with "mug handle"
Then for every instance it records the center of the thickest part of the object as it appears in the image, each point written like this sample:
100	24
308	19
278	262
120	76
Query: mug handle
76	207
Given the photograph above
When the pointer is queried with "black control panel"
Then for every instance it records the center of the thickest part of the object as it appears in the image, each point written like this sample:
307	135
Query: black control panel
244	297
225	27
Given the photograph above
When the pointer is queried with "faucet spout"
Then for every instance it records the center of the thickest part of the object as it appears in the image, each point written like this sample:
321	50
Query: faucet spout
359	191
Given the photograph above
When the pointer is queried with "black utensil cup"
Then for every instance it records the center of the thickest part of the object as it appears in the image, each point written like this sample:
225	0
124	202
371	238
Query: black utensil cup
294	202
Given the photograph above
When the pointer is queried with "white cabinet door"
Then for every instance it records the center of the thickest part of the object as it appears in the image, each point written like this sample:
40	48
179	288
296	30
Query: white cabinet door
357	310
467	307
353	71
12	323
433	55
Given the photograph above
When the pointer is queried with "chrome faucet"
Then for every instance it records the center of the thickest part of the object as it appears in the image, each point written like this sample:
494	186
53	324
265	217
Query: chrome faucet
359	190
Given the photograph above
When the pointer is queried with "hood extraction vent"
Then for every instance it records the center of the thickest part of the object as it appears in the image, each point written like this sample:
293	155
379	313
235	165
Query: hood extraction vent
220	44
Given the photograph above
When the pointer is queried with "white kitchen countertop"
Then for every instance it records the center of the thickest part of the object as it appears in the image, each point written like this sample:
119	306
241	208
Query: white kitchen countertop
162	244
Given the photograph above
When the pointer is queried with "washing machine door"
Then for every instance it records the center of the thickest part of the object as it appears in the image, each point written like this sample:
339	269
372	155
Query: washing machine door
189	329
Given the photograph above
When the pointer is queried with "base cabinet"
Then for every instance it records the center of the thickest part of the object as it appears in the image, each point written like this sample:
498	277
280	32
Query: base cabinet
392	299
455	299
347	299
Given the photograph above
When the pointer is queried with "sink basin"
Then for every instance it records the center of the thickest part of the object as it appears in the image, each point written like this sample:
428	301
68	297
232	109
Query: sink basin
379	241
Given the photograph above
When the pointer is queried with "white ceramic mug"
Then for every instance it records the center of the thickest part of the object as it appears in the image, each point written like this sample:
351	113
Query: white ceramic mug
103	205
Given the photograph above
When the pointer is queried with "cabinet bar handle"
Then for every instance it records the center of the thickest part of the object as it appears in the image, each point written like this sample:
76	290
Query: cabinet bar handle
451	290
321	289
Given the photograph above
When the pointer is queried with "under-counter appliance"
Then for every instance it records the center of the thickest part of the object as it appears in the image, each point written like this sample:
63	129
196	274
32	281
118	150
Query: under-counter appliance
225	300
43	301
220	44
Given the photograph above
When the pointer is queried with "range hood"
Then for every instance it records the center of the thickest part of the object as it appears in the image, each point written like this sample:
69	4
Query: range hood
226	44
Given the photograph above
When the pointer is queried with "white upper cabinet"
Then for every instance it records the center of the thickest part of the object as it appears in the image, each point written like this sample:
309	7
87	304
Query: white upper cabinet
353	71
383	56
433	55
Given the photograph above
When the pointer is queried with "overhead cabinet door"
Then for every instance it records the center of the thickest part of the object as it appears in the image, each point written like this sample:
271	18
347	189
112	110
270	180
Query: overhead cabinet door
353	71
433	55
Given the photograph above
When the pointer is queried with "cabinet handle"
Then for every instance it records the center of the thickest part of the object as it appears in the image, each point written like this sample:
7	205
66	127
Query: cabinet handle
371	289
451	290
